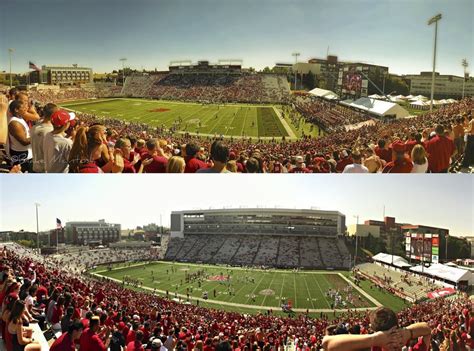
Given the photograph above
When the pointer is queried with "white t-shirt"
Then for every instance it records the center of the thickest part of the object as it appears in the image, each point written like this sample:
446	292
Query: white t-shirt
14	143
355	168
56	153
37	138
420	168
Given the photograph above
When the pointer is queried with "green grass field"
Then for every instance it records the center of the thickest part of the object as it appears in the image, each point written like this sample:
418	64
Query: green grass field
230	120
250	289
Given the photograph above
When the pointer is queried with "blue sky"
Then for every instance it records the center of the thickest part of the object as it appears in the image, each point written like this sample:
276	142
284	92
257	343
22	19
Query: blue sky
150	33
442	201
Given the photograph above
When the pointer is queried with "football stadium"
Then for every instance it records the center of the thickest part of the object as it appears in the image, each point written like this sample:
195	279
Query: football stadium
180	114
287	276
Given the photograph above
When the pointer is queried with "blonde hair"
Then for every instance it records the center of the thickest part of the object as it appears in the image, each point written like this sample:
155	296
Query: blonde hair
231	166
418	155
175	164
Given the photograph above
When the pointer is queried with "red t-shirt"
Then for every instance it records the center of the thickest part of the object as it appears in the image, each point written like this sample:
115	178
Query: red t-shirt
384	154
135	346
57	314
130	336
193	164
41	293
158	165
404	166
90	341
342	163
63	343
128	167
440	149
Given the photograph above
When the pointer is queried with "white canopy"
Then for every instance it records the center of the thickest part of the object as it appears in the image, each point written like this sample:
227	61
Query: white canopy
410	96
379	108
375	96
395	99
421	105
442	271
386	258
325	94
451	100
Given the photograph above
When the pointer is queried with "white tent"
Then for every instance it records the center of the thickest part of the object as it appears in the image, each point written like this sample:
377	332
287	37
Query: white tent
378	108
442	271
401	97
451	101
375	96
409	97
386	258
419	105
325	94
395	99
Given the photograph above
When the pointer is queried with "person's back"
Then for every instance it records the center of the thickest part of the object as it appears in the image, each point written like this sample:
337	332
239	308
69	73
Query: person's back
439	149
56	153
38	133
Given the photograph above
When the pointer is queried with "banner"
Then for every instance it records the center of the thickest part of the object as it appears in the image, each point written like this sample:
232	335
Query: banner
441	293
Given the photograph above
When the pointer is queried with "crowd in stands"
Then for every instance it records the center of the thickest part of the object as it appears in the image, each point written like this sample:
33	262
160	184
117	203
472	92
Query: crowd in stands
209	87
328	115
260	250
47	140
94	314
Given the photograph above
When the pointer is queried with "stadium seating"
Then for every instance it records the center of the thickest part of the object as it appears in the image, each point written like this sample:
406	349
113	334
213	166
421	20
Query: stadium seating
260	250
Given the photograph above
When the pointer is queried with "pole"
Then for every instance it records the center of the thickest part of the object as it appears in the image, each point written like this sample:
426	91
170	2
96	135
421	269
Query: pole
10	51
434	20
383	87
355	253
447	237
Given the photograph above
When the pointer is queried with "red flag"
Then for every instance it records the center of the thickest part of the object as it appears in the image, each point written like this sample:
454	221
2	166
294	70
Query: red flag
33	66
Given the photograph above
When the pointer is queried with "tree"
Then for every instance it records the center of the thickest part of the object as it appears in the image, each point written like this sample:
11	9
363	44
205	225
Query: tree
27	243
267	70
309	80
457	248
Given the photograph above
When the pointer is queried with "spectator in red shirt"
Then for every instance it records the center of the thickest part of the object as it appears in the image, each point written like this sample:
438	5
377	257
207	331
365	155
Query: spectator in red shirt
440	149
158	161
345	160
90	341
383	151
193	163
401	163
300	166
136	345
67	341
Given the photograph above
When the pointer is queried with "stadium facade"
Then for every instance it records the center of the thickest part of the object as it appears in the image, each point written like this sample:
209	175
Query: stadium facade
258	221
63	75
283	238
446	86
90	233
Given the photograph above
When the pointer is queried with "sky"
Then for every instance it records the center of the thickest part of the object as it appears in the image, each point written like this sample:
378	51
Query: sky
151	33
134	200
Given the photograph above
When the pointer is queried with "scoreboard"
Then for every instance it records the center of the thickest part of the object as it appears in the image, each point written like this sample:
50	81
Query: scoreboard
353	81
422	247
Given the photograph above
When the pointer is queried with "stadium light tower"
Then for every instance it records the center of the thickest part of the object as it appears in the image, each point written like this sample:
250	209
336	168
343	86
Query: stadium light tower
295	54
357	227
464	64
123	59
10	52
434	20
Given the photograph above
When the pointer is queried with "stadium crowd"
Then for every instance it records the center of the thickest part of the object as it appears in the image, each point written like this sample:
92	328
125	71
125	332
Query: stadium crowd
44	138
93	314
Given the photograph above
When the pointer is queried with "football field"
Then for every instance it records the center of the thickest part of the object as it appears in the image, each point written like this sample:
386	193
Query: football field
205	119
236	288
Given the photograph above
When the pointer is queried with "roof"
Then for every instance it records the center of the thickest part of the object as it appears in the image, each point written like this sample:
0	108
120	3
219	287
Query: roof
323	93
386	258
442	271
377	107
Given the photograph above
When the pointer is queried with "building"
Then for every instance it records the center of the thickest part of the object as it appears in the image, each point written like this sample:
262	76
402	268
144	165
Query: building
446	86
258	221
62	75
326	70
91	233
364	230
222	66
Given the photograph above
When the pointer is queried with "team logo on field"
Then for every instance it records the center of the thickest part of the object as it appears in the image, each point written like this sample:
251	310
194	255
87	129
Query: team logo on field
267	292
159	110
217	278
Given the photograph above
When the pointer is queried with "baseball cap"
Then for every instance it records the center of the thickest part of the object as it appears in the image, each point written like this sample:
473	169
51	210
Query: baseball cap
61	117
299	159
156	343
